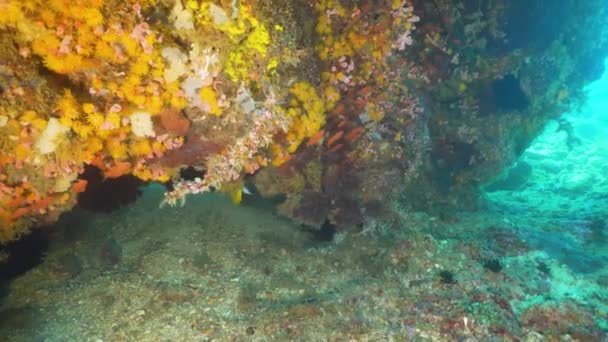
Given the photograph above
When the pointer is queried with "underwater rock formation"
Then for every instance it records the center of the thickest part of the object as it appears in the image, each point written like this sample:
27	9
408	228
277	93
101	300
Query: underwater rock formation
342	112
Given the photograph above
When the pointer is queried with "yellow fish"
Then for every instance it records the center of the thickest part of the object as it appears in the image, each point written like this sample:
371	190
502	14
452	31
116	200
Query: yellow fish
236	196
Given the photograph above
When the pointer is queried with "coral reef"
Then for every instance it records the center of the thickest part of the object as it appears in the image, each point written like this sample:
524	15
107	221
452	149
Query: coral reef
372	126
359	105
141	88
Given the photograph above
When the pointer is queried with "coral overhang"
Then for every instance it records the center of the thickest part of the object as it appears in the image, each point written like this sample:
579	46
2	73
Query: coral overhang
355	104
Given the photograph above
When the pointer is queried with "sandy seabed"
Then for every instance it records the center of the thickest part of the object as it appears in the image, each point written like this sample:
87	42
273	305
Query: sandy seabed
213	271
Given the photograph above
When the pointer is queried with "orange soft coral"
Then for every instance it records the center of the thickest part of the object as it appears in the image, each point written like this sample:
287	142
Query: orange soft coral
119	169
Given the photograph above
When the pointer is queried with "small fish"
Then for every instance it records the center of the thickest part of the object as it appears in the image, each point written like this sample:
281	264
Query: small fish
375	136
236	196
247	191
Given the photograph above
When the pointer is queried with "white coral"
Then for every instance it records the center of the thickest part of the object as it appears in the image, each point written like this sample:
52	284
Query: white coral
141	124
203	64
182	17
218	15
177	63
54	130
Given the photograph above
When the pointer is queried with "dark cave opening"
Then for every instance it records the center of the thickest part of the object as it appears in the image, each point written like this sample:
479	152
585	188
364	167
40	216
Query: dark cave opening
501	95
508	94
23	255
107	195
325	233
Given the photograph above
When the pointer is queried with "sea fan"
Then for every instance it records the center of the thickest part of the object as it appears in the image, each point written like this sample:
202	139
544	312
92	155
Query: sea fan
312	208
194	152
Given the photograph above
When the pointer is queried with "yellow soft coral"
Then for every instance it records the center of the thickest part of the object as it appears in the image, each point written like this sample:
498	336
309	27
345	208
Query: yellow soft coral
258	40
208	96
140	148
21	152
82	129
251	37
68	106
308	112
116	149
85	153
95	119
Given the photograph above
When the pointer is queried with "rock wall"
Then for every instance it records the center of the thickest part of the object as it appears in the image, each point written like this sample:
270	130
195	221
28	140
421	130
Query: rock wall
340	108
